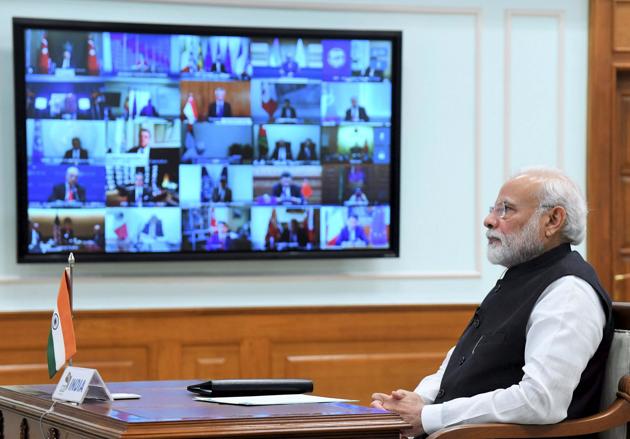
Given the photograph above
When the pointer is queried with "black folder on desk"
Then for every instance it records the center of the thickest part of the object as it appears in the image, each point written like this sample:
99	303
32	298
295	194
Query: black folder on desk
219	388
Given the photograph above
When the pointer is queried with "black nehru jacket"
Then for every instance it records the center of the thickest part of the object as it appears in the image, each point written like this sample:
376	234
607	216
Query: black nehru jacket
490	354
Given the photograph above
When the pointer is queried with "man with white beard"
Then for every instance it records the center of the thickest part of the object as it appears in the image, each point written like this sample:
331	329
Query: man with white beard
535	350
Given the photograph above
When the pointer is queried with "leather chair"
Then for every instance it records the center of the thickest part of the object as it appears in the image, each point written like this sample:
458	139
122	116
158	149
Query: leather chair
616	414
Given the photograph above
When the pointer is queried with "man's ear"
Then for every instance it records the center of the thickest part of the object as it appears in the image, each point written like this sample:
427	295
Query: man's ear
556	218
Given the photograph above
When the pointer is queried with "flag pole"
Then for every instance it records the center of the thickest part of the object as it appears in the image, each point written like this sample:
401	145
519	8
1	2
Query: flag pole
70	282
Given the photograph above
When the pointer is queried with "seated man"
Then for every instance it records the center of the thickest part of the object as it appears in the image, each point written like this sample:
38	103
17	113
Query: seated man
373	70
356	113
307	150
294	235
222	193
152	233
219	107
71	190
76	153
282	151
358	198
286	192
220	239
143	147
67	232
352	234
287	111
149	110
535	349
139	193
289	67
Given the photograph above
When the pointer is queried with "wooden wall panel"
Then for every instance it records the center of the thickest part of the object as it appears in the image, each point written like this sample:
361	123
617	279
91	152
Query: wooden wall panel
216	361
621	32
347	351
345	368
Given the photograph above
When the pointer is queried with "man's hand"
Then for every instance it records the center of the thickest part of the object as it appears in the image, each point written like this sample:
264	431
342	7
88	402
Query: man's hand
406	404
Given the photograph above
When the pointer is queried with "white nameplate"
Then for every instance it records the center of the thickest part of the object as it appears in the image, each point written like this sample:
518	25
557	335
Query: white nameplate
79	383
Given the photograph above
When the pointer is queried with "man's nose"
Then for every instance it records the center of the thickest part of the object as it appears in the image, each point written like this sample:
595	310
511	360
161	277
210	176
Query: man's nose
490	221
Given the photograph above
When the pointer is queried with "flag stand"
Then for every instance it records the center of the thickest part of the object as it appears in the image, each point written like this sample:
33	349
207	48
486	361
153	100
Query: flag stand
71	284
76	383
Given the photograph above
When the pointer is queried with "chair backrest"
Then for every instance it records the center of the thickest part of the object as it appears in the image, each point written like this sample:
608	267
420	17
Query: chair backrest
618	365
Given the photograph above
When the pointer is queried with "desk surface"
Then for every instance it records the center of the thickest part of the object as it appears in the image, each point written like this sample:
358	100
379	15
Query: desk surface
167	409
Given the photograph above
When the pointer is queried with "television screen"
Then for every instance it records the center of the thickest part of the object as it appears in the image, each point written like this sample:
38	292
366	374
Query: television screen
163	142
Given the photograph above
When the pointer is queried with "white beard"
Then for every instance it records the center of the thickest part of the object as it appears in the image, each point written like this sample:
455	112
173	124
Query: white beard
518	247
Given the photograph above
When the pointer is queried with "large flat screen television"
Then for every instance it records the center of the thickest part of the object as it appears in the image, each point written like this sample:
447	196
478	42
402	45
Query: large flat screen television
166	142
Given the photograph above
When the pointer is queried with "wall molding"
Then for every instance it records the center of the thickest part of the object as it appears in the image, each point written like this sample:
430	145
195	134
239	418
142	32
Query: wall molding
248	279
390	7
507	86
475	272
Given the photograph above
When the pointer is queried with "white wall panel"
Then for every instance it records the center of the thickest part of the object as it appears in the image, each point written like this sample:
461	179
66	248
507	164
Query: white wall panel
534	109
466	65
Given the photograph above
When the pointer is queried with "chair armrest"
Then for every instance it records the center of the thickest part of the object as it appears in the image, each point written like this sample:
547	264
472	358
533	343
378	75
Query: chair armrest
617	413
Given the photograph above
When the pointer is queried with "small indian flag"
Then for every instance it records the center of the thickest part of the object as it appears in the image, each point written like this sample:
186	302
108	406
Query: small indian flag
61	342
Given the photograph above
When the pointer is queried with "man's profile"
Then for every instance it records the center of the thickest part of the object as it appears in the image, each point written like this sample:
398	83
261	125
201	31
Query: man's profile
535	350
356	113
71	190
144	139
219	107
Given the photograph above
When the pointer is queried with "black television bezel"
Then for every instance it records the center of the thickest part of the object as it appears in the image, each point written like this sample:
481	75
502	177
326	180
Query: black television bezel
20	24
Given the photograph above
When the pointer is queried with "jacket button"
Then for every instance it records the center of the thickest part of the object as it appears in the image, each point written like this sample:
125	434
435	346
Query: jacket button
440	393
462	360
476	322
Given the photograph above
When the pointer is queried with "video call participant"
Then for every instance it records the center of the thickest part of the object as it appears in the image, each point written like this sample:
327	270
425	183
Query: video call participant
287	111
98	237
67	231
536	348
286	191
358	198
139	193
71	190
219	108
307	150
352	233
282	151
221	239
372	71
35	237
143	147
294	235
149	110
289	67
218	66
152	234
222	193
356	113
76	153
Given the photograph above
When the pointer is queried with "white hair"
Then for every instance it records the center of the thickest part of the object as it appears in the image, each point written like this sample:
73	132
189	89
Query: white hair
557	189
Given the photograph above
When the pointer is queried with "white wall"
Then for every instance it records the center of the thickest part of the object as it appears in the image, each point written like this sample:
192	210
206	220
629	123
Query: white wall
488	87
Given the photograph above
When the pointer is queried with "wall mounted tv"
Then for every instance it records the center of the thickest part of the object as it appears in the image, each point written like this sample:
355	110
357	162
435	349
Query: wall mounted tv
166	142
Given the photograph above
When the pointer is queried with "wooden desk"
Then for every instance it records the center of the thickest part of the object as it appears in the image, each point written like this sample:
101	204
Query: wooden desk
166	409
